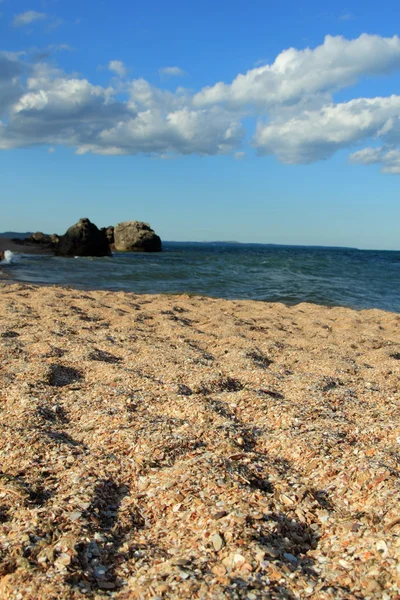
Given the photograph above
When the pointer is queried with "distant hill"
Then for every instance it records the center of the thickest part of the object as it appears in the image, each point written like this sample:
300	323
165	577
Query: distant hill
15	234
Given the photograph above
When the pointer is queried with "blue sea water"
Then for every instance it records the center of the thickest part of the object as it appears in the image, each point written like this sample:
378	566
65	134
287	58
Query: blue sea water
290	274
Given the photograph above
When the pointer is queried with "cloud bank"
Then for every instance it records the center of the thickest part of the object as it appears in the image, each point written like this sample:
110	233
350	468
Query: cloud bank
292	101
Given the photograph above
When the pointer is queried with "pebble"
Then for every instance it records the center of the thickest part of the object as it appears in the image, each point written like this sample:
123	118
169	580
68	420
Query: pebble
217	542
75	516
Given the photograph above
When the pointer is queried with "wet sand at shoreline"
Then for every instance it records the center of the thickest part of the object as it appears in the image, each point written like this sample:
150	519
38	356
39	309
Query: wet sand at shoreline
186	447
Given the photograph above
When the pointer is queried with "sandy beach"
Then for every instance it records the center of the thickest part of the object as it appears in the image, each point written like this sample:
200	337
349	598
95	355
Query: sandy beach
187	447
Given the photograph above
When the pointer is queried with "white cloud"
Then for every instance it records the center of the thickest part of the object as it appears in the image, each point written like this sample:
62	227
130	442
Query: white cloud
117	67
298	119
57	109
317	134
388	158
11	69
167	72
300	75
28	17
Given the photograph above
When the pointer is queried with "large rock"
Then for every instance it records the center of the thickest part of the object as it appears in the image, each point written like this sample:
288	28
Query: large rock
42	239
109	231
135	236
83	239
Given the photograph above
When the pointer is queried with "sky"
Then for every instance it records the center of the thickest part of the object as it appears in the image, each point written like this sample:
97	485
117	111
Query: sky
245	120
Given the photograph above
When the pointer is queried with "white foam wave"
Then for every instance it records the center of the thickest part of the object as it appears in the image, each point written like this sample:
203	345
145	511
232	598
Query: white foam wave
8	257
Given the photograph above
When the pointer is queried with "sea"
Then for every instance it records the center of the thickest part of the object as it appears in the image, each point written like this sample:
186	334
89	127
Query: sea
359	279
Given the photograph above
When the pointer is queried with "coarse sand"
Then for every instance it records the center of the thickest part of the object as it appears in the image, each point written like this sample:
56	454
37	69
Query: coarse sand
189	447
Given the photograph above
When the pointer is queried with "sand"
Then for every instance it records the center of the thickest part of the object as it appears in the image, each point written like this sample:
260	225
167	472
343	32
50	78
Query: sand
187	447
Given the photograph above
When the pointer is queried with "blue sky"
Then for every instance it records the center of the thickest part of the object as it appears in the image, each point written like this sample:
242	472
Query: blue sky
248	121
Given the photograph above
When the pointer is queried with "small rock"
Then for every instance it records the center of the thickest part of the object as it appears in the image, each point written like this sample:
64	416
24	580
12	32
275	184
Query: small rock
75	516
100	571
217	542
220	515
106	585
290	557
182	562
63	561
238	560
382	548
271	551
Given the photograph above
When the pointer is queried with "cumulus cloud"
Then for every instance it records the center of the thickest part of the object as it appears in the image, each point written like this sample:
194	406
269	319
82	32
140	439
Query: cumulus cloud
11	69
54	108
28	17
387	158
292	100
117	67
298	75
167	72
315	135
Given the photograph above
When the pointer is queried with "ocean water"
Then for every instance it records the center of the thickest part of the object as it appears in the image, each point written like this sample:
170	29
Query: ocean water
290	274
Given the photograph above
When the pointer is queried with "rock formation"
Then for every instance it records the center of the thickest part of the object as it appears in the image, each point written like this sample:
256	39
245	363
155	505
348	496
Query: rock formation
42	239
135	236
83	239
109	231
2	256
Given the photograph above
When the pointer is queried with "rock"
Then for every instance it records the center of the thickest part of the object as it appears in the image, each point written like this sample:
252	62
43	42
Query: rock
54	239
83	239
2	256
135	236
217	542
38	238
109	231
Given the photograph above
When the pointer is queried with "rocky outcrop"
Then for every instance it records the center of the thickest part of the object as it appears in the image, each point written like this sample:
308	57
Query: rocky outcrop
135	236
42	239
109	231
83	239
2	256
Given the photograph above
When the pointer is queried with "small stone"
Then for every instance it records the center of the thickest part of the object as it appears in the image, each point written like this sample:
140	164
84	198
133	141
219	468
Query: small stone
184	574
290	557
219	570
271	551
217	542
100	571
182	562
63	560
106	585
382	548
286	500
220	515
70	460
238	560
75	516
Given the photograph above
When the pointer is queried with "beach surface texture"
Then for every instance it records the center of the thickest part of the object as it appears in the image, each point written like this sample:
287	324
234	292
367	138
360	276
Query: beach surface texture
188	447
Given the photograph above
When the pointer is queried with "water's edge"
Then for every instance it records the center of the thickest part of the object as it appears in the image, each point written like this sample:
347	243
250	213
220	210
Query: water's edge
324	276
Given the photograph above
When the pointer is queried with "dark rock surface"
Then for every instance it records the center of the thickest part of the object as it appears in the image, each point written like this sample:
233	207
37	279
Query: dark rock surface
136	236
83	239
109	231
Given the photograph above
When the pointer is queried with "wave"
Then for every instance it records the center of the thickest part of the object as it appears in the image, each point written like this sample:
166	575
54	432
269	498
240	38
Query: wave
9	257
